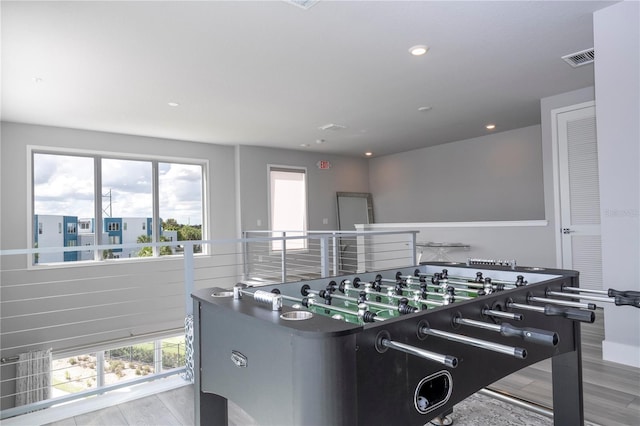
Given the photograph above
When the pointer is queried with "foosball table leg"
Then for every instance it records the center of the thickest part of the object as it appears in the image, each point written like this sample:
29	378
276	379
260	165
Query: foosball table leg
566	369
213	410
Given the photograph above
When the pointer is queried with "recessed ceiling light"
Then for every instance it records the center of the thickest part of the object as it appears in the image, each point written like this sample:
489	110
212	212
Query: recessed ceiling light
320	141
418	50
304	145
490	126
425	108
37	80
332	126
173	104
368	154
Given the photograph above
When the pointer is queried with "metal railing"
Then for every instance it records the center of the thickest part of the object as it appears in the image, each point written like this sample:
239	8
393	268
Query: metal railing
260	257
285	256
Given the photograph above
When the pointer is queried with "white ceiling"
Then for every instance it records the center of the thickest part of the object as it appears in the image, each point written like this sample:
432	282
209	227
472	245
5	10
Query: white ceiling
270	73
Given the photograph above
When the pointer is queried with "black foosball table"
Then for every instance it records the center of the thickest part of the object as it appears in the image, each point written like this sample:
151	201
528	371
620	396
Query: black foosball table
399	346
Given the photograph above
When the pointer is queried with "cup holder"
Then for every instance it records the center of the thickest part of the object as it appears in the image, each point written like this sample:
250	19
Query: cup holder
224	293
296	315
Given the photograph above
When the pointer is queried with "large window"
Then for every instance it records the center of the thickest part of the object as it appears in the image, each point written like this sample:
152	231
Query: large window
82	372
115	201
288	198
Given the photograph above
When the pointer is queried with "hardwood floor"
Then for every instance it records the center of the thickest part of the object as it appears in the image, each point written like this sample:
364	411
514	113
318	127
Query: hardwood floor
611	390
611	397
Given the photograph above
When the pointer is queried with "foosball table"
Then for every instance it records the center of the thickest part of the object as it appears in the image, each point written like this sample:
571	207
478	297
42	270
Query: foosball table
399	346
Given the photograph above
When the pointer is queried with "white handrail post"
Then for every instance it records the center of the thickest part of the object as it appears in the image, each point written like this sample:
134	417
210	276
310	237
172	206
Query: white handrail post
188	277
413	245
324	256
283	260
336	253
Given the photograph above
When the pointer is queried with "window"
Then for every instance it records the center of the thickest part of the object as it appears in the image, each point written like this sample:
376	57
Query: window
81	373
64	188
180	191
288	199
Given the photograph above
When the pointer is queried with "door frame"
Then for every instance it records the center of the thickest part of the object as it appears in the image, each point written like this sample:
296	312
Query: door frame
556	173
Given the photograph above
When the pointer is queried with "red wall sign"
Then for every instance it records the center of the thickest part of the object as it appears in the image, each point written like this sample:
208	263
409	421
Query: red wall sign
323	165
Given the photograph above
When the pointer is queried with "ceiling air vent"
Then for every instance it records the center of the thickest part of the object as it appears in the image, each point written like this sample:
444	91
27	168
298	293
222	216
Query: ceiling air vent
578	59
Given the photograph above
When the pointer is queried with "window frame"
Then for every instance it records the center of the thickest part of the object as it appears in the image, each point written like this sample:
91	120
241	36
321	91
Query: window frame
284	168
97	157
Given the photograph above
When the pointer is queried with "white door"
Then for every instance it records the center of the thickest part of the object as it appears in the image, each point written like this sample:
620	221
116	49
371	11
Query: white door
579	194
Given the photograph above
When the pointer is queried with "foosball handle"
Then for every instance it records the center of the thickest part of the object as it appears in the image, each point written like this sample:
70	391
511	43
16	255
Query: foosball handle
533	335
628	293
570	313
631	301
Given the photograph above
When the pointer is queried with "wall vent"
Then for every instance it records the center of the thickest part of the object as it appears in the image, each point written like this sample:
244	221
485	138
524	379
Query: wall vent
578	59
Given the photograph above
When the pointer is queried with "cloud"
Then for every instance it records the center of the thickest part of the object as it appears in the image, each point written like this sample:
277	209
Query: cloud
64	185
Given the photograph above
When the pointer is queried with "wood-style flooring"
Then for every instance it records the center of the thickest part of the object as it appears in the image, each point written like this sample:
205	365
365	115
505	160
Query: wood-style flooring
611	397
611	390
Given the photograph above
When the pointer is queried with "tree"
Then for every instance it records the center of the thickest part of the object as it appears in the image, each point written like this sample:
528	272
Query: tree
171	225
188	232
148	251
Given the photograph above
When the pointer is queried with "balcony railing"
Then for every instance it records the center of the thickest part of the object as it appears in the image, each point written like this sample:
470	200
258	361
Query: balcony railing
39	300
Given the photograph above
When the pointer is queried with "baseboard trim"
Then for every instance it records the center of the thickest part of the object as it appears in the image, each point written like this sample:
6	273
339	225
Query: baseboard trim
621	353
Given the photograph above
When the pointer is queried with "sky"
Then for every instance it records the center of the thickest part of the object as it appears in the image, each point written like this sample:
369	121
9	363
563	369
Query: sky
64	185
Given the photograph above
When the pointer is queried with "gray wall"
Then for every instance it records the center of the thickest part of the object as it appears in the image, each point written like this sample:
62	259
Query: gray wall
347	174
617	73
149	304
16	137
493	177
87	305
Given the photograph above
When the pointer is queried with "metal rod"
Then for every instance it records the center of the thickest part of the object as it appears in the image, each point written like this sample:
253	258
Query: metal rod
553	310
448	360
442	294
590	306
585	290
313	302
479	324
533	335
502	314
9	359
354	300
581	296
516	352
471	280
527	405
